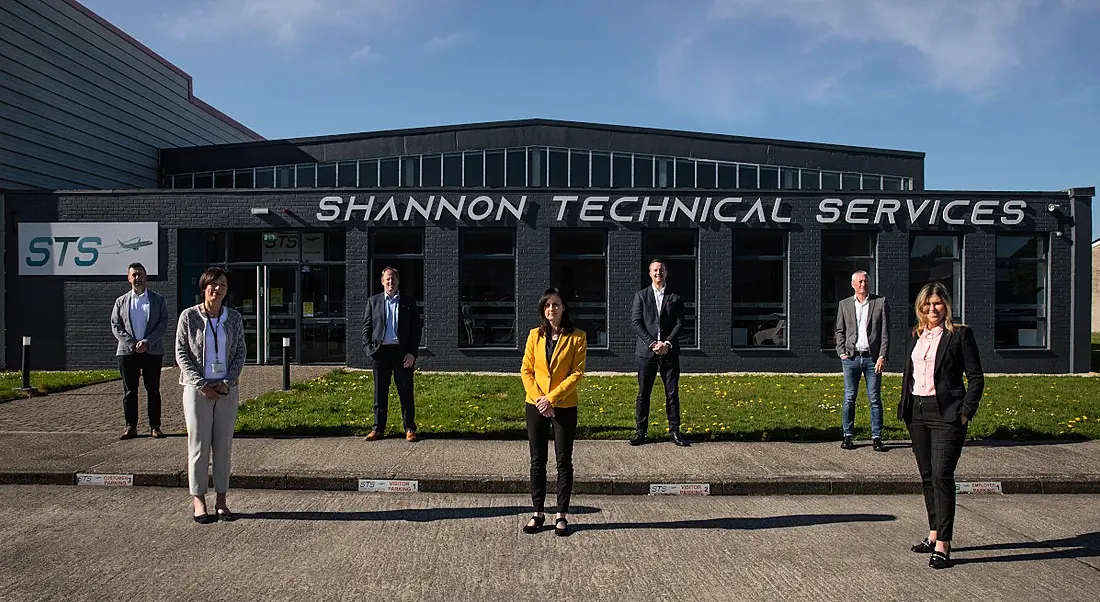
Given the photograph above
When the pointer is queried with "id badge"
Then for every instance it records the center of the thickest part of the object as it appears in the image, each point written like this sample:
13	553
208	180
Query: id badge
218	368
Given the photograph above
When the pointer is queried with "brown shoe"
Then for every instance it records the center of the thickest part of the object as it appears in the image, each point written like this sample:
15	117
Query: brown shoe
374	436
410	436
156	433
129	433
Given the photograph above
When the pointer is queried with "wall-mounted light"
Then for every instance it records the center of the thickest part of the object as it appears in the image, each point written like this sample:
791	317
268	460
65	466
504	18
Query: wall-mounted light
1053	208
259	210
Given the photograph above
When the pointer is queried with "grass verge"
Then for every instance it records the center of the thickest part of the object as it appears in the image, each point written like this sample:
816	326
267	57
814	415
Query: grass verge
51	382
743	408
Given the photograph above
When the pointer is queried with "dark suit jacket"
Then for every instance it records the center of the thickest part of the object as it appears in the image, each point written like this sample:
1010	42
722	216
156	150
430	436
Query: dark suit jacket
956	355
645	317
847	326
409	325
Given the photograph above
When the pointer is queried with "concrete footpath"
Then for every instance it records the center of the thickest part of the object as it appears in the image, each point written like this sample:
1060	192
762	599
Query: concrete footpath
49	440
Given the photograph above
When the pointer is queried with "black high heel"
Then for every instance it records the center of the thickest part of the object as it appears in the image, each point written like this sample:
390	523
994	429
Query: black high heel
940	560
925	547
561	527
535	524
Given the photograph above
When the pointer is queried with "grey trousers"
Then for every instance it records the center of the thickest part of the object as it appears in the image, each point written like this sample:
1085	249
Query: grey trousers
210	424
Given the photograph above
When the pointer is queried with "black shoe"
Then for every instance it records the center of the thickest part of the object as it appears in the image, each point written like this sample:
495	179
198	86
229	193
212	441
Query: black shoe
203	519
940	560
535	524
225	515
925	547
847	443
638	440
876	444
678	440
561	527
129	433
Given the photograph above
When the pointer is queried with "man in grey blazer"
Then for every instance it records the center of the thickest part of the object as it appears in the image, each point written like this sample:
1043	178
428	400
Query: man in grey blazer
138	320
862	339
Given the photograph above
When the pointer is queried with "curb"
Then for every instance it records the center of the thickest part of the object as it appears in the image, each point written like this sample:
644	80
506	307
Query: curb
608	486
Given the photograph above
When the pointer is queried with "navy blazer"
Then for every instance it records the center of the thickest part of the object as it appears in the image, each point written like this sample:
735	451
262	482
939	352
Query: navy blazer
409	325
956	355
645	317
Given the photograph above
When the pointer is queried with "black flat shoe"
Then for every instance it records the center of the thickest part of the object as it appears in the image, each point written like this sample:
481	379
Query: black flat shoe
225	515
561	527
940	560
637	440
535	524
926	546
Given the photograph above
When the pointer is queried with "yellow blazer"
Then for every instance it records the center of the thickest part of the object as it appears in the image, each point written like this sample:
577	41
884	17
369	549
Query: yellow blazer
558	381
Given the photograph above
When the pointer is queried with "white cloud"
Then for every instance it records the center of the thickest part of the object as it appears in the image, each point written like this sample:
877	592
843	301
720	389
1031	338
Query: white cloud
279	21
365	54
438	43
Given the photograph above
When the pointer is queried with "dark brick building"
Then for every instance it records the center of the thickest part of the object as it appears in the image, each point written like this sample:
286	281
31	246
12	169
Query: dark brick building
761	237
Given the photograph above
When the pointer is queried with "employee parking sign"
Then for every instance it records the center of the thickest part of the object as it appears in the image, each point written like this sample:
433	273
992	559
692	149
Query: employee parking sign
86	248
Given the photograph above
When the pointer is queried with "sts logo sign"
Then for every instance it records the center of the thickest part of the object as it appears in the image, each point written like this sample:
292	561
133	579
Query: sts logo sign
86	248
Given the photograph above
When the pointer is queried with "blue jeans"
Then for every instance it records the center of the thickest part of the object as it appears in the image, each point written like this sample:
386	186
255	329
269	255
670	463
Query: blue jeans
853	367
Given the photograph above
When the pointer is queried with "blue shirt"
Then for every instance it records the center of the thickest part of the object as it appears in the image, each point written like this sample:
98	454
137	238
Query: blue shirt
390	337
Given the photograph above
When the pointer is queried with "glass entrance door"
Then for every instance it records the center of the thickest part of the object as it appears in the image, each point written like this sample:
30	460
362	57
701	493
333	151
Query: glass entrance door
281	312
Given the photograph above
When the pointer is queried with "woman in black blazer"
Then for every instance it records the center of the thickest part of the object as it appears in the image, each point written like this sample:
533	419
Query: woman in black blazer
937	407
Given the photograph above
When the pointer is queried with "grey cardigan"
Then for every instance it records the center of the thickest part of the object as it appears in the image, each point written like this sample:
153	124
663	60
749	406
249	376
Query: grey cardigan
191	343
154	330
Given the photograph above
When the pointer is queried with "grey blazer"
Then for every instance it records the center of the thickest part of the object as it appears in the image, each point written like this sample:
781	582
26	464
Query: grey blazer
847	329
154	330
191	347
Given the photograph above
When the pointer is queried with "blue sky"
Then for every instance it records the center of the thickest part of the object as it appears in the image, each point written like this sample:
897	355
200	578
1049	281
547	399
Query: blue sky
1000	94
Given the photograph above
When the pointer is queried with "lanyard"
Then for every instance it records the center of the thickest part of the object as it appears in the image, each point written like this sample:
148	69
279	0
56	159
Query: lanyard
214	327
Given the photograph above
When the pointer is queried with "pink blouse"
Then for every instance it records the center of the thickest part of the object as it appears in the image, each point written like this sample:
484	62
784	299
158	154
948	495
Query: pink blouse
924	362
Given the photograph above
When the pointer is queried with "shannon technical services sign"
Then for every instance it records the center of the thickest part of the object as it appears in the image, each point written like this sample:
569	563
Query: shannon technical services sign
86	248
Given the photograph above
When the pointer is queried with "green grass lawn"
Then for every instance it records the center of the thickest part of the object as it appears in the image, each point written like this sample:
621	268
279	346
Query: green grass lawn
745	408
51	382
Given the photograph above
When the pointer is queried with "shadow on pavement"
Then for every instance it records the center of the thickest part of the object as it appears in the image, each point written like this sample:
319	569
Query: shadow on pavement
744	523
1086	545
415	515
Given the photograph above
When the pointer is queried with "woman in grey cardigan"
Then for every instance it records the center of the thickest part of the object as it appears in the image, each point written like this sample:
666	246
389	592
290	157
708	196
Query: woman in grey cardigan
210	351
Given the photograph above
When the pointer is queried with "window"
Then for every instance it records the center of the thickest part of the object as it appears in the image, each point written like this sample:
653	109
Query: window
601	170
872	182
889	183
937	257
410	173
452	171
643	171
769	178
307	176
403	249
368	173
685	173
559	169
536	167
578	268
1021	291
206	180
747	177
678	248
284	176
494	169
578	169
517	168
850	181
326	175
706	176
487	288
223	179
727	176
759	289
844	253
347	174
788	178
265	177
243	178
830	180
663	172
811	179
389	172
431	174
621	171
184	181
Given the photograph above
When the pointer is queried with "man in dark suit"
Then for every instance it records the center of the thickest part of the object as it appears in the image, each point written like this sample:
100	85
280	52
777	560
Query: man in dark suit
138	320
391	337
862	338
658	316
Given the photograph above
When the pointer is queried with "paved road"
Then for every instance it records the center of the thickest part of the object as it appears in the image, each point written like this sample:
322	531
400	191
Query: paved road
77	543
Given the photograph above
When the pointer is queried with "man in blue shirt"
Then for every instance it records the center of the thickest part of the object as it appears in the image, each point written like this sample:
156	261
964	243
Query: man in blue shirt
391	338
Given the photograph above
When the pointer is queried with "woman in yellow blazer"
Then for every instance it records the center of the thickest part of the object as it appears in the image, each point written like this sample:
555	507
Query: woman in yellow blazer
553	364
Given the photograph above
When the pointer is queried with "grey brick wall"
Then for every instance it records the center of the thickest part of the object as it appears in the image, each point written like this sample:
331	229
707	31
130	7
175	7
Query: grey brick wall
68	317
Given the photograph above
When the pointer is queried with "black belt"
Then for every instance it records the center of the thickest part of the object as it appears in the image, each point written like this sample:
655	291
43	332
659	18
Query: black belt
862	354
925	399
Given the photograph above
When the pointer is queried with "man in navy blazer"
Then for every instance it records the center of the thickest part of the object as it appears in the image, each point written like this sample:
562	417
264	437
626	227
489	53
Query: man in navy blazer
138	320
658	315
391	337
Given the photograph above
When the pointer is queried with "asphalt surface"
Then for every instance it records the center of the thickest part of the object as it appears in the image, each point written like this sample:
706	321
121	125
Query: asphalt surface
88	543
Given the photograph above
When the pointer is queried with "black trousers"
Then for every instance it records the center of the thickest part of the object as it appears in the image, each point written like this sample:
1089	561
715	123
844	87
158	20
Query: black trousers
669	367
937	444
564	425
140	366
387	365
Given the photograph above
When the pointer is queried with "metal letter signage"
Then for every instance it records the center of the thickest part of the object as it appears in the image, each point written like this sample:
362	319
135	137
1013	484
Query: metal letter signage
86	248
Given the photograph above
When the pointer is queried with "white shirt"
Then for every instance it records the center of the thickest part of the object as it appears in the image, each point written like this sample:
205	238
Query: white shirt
215	352
863	318
659	297
139	314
